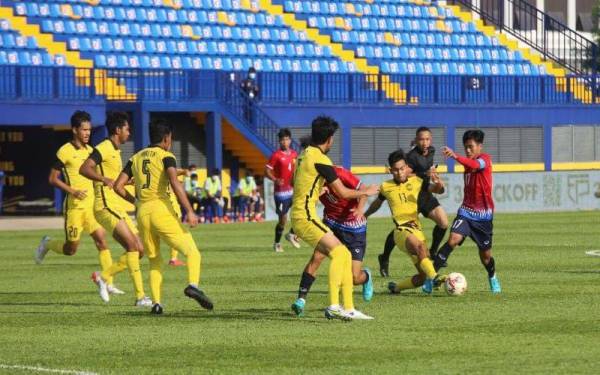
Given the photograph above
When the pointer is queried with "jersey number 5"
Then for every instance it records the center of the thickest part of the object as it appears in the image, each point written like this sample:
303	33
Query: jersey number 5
145	170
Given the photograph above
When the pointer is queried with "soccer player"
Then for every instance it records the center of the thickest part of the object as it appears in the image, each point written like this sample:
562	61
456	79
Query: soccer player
402	194
344	218
78	206
280	170
154	171
475	215
314	168
420	161
103	166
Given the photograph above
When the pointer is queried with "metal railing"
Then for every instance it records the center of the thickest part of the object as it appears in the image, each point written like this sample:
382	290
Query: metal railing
178	86
549	36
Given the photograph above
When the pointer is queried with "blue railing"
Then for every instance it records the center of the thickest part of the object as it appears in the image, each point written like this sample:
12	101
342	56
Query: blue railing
71	84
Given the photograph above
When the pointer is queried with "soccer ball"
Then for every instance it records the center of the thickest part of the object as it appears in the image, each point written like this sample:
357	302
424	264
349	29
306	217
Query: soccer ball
455	284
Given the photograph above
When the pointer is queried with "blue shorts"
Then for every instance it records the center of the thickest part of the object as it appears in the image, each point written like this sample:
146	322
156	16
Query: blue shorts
479	231
282	206
356	242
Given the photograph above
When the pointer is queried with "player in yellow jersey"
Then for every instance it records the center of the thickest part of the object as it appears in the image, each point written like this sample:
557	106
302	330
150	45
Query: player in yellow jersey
103	167
313	169
402	194
78	207
154	170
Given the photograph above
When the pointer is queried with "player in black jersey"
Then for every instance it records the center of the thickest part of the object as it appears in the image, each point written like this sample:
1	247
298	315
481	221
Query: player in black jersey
420	160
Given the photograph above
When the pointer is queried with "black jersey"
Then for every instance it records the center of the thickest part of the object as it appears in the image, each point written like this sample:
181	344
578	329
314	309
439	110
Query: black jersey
419	163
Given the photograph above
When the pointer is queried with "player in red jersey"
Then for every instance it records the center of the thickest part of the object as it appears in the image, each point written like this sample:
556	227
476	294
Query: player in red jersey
280	170
344	218
475	215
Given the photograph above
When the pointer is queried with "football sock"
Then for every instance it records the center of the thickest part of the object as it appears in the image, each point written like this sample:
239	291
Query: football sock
491	268
106	262
278	232
133	263
120	266
155	278
306	282
56	246
426	266
336	273
173	254
292	231
436	238
442	256
348	282
405	284
389	246
366	278
194	259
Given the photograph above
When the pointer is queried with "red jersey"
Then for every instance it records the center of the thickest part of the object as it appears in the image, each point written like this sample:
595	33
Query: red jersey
339	212
283	163
478	203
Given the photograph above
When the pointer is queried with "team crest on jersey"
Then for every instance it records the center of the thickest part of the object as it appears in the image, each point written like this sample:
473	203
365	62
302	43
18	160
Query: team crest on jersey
409	187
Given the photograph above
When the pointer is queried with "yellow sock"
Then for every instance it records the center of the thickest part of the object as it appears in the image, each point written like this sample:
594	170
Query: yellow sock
120	266
173	254
56	246
193	260
427	266
155	278
105	263
337	267
133	263
405	284
347	283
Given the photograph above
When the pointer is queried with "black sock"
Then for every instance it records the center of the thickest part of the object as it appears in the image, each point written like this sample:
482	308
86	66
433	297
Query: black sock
436	240
278	232
389	246
490	268
366	277
305	284
442	256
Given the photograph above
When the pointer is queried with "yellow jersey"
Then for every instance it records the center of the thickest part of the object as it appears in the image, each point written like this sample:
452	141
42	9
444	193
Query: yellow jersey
148	169
107	157
313	169
402	199
69	159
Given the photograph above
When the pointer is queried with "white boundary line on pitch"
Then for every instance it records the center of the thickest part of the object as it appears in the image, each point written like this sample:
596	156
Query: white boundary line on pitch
593	253
43	369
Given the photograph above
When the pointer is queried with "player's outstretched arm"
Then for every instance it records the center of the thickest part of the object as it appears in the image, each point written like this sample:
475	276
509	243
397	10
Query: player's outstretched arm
342	191
54	180
119	187
177	188
469	163
88	170
374	207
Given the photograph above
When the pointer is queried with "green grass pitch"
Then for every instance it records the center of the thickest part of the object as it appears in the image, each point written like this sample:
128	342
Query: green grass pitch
547	319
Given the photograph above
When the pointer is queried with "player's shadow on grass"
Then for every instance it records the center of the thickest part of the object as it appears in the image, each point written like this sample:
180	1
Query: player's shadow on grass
225	315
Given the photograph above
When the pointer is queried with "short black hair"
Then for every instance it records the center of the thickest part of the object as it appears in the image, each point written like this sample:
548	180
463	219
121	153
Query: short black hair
322	128
79	117
159	129
396	156
423	129
305	141
216	171
115	120
285	132
474	134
